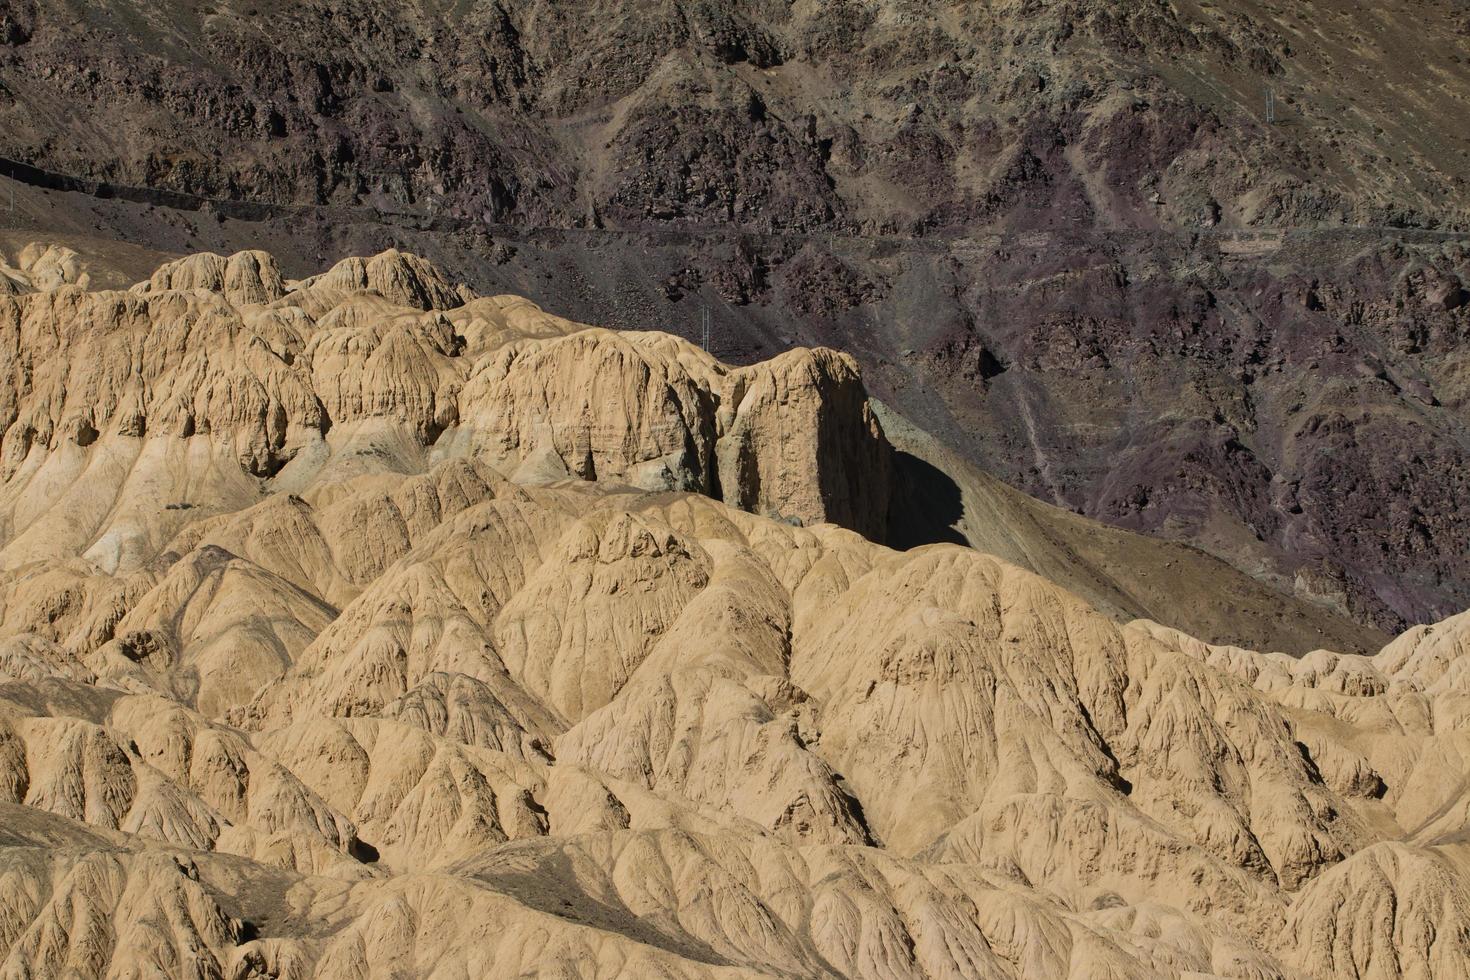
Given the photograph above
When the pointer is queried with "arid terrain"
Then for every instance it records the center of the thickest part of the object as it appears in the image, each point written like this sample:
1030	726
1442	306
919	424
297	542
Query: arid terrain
892	489
1065	238
348	630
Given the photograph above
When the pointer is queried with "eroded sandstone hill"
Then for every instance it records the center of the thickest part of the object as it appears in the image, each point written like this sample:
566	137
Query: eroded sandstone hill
382	363
347	630
1064	236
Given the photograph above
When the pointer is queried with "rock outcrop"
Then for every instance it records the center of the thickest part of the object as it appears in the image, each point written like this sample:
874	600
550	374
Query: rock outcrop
791	415
213	368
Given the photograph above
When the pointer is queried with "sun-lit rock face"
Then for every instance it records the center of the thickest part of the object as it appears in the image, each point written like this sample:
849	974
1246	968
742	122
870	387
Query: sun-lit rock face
401	632
243	278
212	376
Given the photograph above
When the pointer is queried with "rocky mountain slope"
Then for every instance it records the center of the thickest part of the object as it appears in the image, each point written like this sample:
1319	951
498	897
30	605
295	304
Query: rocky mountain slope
344	634
739	434
1062	237
855	117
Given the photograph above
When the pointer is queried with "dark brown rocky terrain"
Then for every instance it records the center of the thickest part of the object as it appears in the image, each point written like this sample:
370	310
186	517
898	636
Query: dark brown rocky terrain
1061	236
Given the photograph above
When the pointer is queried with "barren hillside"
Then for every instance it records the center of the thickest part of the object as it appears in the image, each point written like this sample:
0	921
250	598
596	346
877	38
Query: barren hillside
345	633
1063	237
856	117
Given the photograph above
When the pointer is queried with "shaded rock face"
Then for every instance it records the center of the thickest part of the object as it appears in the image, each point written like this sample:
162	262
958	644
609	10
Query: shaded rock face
316	661
1296	406
794	412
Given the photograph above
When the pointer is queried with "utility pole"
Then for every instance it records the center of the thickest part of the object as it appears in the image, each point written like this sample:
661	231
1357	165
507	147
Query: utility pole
1270	107
704	328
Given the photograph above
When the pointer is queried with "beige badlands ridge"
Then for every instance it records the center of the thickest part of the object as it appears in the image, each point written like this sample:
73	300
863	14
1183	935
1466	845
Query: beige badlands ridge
361	627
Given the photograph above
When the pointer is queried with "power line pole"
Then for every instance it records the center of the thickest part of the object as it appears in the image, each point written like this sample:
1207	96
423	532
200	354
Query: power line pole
704	328
1270	107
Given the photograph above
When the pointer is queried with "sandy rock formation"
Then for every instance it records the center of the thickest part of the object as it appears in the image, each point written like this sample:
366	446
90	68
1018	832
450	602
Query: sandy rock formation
402	279
50	266
793	414
368	362
244	278
323	654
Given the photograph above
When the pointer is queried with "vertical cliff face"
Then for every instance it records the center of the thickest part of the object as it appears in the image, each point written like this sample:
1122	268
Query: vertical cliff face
799	412
359	624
